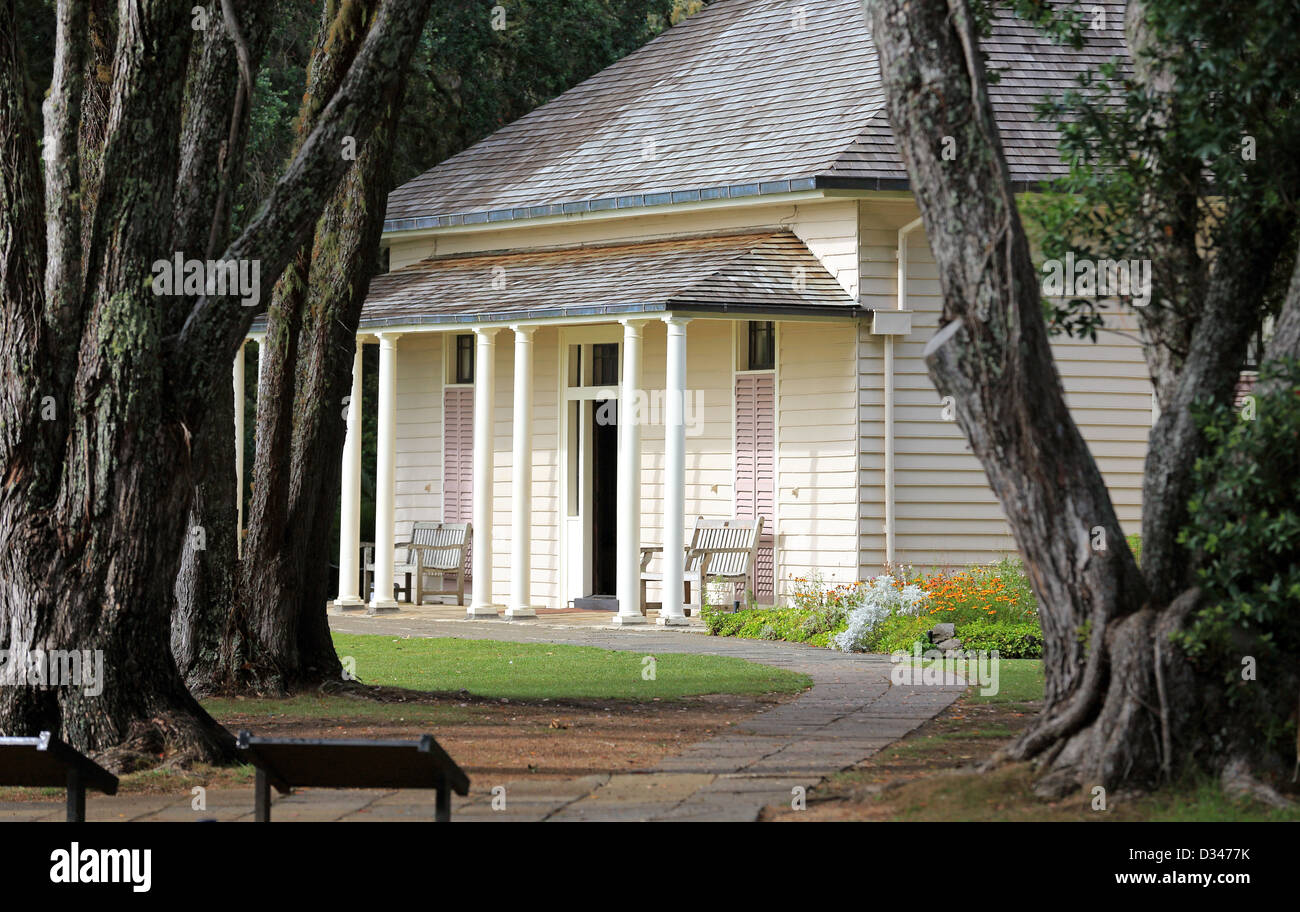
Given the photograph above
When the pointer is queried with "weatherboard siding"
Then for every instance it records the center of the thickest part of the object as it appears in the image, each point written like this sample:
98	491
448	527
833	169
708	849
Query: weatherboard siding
817	479
946	514
418	482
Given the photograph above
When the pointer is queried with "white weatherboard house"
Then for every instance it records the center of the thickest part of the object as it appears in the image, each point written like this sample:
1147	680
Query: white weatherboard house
719	219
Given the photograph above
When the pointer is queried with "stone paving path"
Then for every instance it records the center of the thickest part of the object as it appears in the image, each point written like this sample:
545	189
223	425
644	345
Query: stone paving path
851	712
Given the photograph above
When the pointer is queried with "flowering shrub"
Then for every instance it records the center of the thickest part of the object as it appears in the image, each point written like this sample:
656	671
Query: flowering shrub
997	592
880	598
991	605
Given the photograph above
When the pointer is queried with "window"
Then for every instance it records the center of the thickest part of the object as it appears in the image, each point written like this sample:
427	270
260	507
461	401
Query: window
464	363
762	345
604	364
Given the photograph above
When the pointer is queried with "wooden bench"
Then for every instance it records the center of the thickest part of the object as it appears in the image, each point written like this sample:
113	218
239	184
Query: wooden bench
44	761
435	549
289	763
720	549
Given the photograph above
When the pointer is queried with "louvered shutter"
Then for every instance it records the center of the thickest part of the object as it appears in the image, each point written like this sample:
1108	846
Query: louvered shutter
458	456
756	469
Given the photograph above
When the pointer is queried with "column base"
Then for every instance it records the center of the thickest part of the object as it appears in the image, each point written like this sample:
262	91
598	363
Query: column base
479	612
673	620
525	612
628	620
346	605
388	606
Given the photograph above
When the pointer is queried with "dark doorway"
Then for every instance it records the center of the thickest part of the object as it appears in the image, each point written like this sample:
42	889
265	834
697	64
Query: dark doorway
604	497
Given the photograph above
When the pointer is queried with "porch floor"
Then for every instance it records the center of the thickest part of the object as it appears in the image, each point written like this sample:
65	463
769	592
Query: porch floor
546	617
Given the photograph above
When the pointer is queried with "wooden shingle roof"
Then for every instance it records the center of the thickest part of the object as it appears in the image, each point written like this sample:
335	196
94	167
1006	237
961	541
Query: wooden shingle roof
748	97
753	272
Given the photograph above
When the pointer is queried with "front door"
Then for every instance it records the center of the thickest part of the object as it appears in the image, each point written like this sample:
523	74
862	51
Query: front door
604	497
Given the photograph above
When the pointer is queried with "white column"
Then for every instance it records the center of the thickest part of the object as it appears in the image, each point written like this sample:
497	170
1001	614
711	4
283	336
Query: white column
671	612
628	546
481	604
237	377
385	469
521	484
350	512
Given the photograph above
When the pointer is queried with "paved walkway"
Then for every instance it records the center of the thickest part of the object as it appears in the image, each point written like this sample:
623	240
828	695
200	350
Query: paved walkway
851	712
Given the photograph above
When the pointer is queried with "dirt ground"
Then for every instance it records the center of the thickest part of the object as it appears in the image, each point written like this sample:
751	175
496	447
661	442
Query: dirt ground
546	739
931	775
496	738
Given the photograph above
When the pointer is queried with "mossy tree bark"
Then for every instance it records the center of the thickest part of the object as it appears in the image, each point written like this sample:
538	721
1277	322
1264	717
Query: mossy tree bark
281	639
100	402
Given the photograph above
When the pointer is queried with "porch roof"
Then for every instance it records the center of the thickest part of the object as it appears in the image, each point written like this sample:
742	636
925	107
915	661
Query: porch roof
768	272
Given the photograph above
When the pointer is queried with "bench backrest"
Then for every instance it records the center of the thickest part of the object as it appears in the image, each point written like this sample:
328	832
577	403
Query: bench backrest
711	534
449	538
301	762
45	761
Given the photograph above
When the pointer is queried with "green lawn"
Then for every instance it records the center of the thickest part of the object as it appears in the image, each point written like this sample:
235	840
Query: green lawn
1019	681
531	671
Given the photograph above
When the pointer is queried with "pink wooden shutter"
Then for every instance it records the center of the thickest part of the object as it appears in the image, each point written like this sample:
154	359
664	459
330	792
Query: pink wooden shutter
458	456
756	469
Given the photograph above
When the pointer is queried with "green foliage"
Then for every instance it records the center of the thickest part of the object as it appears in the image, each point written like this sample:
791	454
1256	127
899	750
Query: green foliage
1244	532
1225	145
898	633
1135	545
992	607
793	625
987	593
1011	640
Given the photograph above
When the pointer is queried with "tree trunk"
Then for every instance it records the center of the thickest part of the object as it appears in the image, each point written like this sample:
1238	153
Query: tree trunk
98	476
1122	706
218	103
311	337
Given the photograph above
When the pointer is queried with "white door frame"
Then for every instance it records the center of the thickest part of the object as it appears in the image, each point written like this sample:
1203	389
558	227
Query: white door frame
575	558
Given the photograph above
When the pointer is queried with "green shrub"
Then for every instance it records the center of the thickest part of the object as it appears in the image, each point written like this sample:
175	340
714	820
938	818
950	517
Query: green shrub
1010	640
793	625
898	633
1244	535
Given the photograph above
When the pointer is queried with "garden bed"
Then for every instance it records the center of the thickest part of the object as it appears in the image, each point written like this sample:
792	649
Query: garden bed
990	607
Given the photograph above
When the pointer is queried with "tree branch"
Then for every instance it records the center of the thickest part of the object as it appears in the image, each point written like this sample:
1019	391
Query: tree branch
212	150
63	277
24	366
286	220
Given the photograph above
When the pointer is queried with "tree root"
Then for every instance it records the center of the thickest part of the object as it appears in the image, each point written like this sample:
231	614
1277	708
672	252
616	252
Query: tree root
1239	781
170	740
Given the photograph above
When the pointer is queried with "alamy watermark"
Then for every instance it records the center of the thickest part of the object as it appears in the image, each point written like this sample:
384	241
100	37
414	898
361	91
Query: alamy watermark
934	668
214	278
651	408
1082	278
25	667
